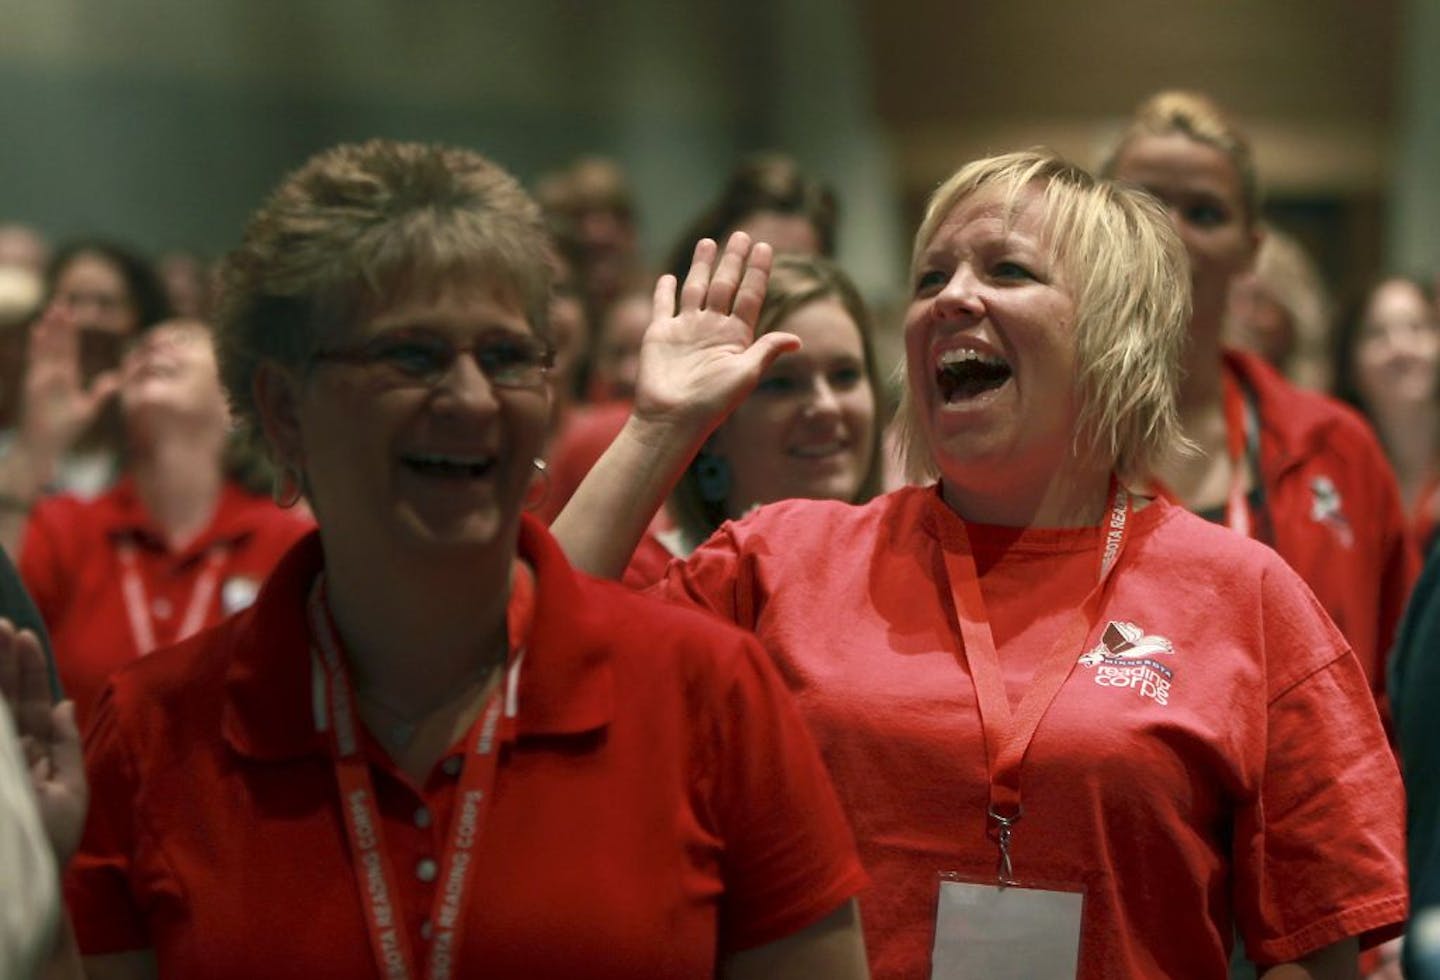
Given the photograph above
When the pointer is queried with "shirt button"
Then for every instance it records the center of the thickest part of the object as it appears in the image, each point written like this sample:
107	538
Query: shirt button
161	609
426	929
426	870
422	817
451	766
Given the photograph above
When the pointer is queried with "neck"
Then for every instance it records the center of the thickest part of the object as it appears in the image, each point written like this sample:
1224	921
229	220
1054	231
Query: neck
416	628
1409	434
179	483
1202	385
1074	496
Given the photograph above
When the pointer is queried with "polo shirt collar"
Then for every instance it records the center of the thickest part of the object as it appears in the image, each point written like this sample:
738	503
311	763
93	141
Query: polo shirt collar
566	684
237	514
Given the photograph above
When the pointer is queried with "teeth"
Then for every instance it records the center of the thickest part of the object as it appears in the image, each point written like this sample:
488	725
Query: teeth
962	355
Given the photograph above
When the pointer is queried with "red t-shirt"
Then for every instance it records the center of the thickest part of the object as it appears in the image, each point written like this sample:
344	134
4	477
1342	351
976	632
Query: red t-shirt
71	562
1251	790
661	805
1336	510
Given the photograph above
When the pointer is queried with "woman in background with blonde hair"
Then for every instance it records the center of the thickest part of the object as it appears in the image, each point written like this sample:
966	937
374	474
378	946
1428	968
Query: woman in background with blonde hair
1291	468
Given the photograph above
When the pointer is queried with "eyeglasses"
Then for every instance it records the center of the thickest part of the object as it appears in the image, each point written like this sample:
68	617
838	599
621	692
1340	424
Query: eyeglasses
406	358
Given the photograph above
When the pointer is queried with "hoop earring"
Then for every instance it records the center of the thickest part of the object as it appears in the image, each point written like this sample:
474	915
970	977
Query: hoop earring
712	477
539	489
287	489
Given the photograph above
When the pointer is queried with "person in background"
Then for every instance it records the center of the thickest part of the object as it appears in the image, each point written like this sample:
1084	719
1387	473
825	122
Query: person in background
1388	366
1281	310
110	294
772	200
1074	727
591	212
189	282
1291	468
180	542
809	429
454	753
767	196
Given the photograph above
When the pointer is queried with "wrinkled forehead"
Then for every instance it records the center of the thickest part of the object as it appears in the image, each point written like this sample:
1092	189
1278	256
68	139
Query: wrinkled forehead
1004	208
415	294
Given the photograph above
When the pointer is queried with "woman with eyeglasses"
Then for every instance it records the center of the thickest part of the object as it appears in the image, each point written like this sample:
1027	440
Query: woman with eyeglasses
429	747
185	536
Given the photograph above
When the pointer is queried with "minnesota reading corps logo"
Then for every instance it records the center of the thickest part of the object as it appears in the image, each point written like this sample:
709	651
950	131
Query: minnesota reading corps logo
1127	657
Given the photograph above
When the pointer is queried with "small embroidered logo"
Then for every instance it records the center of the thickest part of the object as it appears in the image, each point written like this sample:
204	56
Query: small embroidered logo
1326	508
1126	657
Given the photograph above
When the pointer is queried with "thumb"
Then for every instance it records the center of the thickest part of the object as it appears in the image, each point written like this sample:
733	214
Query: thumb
762	353
65	750
102	389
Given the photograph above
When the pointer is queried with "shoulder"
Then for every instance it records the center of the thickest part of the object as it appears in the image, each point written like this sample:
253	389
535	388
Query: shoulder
1306	421
830	522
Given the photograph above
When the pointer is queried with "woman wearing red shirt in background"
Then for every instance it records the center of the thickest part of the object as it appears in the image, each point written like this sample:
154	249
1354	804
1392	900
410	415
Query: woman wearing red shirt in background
1288	467
1025	675
183	540
430	746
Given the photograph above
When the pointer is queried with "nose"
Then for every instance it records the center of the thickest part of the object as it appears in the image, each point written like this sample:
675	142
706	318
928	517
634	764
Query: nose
961	295
823	401
465	386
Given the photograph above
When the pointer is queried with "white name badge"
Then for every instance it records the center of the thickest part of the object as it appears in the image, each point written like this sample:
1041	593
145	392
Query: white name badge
1010	933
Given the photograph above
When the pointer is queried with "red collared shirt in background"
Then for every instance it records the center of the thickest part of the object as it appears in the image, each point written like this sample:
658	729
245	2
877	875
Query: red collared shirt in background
71	560
661	805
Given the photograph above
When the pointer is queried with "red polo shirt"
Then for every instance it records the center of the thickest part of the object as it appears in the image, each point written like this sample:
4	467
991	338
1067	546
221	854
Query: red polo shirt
71	561
660	804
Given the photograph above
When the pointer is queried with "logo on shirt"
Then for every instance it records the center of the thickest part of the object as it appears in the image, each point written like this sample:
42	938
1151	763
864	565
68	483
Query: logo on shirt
1326	508
1127	656
238	593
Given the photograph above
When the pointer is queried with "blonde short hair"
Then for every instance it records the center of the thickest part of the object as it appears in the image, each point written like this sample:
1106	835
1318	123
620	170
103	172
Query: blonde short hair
1130	281
1201	119
360	225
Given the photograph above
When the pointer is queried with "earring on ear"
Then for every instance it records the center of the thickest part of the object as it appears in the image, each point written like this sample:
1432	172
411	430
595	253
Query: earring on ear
712	477
539	490
288	486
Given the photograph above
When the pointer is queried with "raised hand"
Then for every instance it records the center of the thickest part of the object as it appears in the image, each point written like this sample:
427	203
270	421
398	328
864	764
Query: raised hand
56	406
49	738
698	361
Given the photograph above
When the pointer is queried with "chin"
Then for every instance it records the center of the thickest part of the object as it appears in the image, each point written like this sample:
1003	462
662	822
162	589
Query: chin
480	530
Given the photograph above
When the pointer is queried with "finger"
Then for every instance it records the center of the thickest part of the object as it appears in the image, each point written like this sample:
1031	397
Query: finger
66	752
721	294
9	665
101	390
697	280
662	307
751	296
761	354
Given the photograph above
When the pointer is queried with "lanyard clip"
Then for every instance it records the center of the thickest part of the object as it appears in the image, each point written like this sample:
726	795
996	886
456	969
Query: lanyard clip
1004	872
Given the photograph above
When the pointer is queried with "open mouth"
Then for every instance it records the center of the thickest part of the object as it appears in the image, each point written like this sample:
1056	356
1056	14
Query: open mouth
965	373
449	467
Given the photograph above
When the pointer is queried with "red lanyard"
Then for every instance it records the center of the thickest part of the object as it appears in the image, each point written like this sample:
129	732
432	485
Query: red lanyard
389	940
1008	736
137	606
1237	508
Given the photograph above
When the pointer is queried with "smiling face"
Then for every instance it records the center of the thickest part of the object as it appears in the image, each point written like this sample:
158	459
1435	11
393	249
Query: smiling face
808	429
1397	347
990	348
411	466
1203	191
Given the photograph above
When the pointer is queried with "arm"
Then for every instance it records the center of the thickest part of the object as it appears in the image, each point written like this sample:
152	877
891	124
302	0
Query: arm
833	947
698	362
1336	962
55	409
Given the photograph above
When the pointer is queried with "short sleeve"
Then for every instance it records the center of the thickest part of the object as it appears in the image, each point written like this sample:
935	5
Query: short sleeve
1319	850
714	578
790	857
98	884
